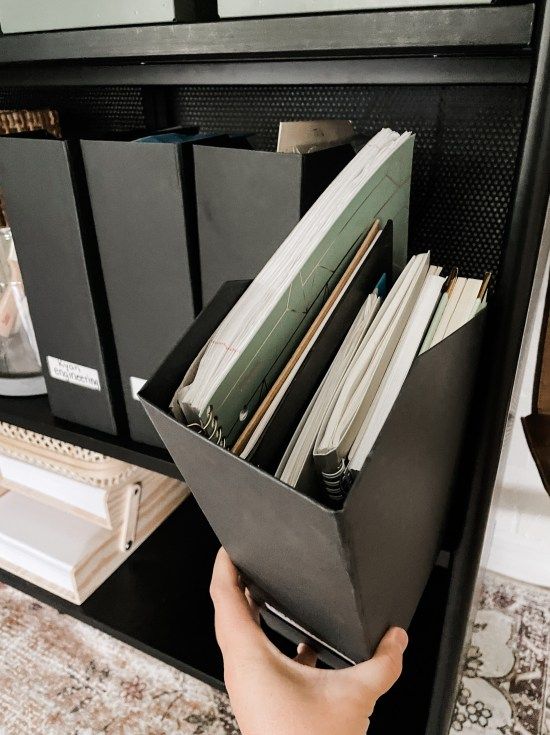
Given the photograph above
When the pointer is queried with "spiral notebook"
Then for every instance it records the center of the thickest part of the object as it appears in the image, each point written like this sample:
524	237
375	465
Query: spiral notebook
239	364
348	409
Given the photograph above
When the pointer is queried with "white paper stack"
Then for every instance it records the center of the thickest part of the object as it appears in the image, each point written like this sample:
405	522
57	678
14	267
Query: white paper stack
345	417
349	407
252	8
301	446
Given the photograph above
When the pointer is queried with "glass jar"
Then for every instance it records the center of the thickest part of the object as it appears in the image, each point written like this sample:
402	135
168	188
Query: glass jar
20	368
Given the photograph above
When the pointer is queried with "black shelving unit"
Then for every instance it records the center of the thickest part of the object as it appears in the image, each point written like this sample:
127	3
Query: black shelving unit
475	78
351	48
34	414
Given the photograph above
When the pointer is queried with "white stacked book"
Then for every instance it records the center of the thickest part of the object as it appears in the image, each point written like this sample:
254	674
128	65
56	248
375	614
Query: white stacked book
36	15
68	530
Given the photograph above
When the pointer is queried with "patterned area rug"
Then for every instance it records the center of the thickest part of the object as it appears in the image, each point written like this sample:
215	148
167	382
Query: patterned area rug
506	683
61	677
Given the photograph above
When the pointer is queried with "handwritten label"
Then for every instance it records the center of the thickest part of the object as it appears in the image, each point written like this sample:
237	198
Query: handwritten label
72	373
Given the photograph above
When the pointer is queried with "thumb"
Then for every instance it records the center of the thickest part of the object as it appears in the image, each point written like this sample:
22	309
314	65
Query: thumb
381	672
237	627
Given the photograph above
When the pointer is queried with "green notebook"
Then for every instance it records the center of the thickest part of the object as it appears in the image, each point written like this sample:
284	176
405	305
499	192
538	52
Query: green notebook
384	196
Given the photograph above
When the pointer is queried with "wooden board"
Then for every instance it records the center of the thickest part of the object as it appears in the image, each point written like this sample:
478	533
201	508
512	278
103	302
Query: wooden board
62	482
90	553
68	496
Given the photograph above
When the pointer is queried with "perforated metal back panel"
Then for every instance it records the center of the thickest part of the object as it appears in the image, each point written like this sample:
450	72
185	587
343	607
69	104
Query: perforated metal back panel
83	110
465	154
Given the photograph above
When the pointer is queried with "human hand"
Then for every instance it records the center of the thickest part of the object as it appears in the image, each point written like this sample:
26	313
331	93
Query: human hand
274	695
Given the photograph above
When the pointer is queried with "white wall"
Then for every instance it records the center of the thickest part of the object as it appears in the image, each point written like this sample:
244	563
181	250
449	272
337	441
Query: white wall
520	546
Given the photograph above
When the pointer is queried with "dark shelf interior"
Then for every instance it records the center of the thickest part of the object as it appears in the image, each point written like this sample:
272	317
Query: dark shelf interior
34	414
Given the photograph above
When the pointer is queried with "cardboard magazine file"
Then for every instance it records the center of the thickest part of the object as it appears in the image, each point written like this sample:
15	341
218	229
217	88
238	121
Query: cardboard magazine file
248	201
335	578
47	205
143	202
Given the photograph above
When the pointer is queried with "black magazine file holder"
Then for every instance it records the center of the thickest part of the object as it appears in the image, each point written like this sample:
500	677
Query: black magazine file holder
48	207
142	197
337	578
278	187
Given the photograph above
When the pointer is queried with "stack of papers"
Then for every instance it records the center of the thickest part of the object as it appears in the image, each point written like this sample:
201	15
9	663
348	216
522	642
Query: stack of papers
462	300
348	409
345	417
301	447
249	439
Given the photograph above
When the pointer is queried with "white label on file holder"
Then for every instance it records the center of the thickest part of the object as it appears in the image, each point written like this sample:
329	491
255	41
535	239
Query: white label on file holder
72	373
136	384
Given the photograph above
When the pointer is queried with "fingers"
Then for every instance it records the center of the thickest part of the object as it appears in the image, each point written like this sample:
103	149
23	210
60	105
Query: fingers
306	655
254	609
237	630
384	668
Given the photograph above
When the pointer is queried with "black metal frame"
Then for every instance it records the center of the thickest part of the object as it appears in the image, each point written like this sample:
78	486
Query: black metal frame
434	69
505	333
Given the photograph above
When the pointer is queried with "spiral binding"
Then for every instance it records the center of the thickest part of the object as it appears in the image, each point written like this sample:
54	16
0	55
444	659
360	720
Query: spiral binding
211	429
337	484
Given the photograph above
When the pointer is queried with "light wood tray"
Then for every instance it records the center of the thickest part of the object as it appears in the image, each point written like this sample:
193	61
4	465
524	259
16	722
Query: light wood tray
48	534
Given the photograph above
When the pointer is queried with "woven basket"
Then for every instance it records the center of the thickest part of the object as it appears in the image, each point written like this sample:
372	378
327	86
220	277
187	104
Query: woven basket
25	121
66	459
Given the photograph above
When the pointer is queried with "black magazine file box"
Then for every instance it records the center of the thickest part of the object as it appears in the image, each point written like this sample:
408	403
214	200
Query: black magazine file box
44	188
143	202
339	577
248	201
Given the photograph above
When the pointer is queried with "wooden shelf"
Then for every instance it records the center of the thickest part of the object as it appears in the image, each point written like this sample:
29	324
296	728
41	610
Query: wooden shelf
311	36
34	414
